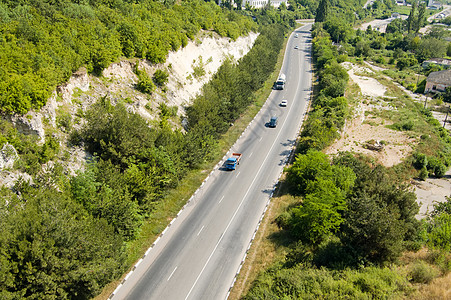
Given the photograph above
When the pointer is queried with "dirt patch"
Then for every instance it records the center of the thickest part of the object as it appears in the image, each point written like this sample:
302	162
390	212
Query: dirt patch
431	191
365	130
361	135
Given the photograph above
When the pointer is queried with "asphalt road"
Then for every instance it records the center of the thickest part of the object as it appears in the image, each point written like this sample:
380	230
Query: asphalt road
198	256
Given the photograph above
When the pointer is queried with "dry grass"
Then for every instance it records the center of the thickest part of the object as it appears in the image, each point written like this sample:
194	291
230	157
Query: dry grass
439	289
267	247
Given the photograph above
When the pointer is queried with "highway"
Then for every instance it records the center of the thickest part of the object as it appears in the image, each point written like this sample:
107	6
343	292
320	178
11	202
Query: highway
198	256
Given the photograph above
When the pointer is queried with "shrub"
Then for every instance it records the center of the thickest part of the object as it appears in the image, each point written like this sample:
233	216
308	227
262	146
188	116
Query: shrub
160	77
145	84
421	161
421	272
439	236
423	173
436	166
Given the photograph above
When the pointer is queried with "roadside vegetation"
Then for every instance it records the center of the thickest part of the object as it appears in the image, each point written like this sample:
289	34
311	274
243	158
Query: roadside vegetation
347	228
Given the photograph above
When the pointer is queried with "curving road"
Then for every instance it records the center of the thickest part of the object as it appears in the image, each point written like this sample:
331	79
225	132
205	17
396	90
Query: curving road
198	256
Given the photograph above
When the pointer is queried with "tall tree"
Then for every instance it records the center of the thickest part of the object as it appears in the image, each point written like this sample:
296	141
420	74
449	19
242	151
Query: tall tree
421	17
411	19
322	11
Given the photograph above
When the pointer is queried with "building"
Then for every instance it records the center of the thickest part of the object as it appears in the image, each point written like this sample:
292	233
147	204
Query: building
434	5
262	3
438	81
443	62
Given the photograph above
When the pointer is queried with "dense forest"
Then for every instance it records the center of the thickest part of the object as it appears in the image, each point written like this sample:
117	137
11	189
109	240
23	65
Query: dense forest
351	219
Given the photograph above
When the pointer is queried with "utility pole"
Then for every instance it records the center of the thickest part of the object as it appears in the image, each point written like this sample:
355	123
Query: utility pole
446	118
425	101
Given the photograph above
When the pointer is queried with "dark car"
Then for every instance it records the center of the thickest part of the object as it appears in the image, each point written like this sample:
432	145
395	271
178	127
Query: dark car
273	122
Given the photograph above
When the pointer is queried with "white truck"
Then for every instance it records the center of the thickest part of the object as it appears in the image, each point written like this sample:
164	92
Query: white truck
280	83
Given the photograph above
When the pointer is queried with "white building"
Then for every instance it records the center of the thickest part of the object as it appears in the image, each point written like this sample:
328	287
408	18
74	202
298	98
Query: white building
434	5
262	3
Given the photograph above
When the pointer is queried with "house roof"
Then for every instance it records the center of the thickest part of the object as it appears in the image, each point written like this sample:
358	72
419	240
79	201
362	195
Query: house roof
442	77
442	61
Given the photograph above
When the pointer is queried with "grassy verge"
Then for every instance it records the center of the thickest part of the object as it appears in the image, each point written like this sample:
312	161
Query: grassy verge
176	198
268	247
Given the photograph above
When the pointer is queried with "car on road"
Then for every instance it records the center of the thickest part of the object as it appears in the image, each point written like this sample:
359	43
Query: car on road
273	122
296	35
296	47
284	103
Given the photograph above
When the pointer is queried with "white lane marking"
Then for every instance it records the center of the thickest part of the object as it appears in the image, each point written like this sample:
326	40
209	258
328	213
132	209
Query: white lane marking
238	174
234	214
250	154
260	138
221	199
172	273
200	230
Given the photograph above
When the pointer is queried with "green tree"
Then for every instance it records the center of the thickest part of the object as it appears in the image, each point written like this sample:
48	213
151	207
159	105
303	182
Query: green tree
411	20
439	232
319	214
322	11
306	169
447	95
421	18
55	250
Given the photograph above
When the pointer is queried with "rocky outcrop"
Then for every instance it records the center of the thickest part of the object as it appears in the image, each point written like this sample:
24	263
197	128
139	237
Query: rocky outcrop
30	124
8	155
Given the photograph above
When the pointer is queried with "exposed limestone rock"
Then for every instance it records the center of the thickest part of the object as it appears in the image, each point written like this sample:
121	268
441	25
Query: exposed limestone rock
8	155
79	80
9	179
30	124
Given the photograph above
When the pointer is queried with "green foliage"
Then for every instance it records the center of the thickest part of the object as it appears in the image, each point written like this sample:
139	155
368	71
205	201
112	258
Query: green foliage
322	11
51	248
145	84
300	282
333	80
380	214
114	204
439	232
421	272
160	77
43	43
447	94
436	167
325	188
424	173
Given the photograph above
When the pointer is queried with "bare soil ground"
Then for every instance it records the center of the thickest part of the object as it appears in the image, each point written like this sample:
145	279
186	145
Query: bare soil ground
366	129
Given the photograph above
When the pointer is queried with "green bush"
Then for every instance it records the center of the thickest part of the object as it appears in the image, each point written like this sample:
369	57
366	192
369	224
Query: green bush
439	236
423	174
421	272
421	161
436	167
145	84
160	77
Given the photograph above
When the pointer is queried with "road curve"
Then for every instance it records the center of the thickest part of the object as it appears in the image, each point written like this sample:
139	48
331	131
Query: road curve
198	256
